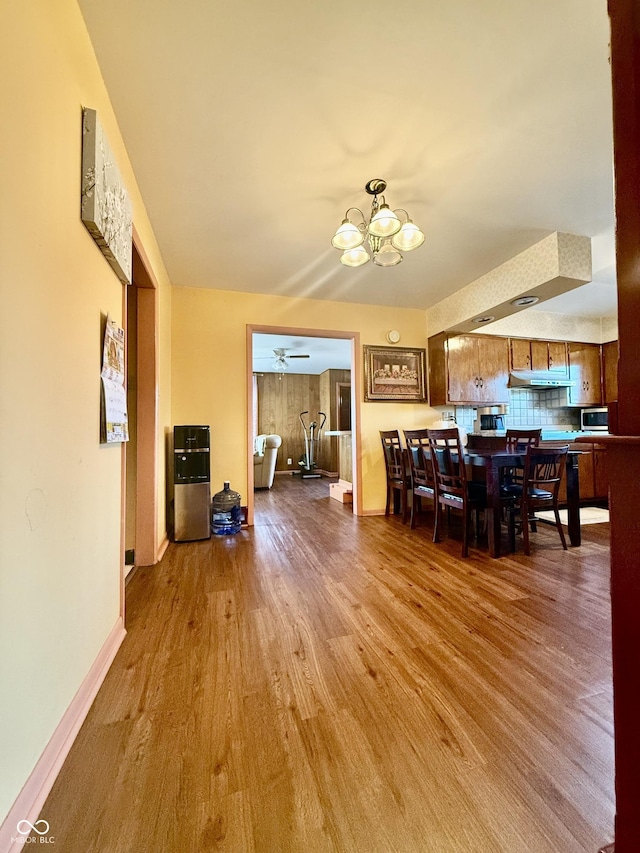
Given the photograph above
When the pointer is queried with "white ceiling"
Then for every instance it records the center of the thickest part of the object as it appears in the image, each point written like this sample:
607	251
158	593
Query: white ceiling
324	353
253	126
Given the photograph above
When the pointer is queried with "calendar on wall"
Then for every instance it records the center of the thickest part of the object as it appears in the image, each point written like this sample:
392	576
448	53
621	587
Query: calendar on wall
113	416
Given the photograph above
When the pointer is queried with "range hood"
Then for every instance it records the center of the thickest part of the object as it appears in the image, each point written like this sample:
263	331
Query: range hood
538	379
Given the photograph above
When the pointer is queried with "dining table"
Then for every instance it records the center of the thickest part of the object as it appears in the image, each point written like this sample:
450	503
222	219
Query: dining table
493	463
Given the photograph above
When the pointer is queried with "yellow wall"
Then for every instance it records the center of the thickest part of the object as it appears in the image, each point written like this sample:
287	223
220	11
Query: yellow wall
209	371
60	498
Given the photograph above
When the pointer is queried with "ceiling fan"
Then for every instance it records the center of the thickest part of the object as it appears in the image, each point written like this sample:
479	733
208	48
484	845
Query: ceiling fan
280	358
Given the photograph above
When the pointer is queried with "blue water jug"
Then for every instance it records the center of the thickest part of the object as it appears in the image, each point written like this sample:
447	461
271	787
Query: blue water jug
226	512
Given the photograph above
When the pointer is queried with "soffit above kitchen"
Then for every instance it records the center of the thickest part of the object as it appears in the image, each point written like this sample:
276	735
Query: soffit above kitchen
253	127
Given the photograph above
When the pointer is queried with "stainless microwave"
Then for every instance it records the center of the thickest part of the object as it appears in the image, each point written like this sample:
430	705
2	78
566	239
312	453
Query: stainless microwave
594	420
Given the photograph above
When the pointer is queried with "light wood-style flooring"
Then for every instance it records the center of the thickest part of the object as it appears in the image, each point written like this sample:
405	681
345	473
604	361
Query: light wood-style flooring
328	683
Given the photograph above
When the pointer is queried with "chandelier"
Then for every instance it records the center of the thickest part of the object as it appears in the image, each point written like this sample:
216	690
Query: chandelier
387	234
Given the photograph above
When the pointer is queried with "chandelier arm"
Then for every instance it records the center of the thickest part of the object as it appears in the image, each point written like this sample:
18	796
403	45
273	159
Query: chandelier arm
402	210
346	216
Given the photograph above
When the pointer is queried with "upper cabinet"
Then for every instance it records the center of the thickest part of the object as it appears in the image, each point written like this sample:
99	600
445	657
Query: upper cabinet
538	355
610	371
475	369
520	353
557	357
468	369
585	369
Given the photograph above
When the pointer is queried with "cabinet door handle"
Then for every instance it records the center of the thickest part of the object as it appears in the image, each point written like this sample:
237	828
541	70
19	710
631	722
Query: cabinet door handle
550	361
481	382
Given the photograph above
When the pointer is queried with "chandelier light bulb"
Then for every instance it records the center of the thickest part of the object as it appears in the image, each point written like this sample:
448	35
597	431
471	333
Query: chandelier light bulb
355	257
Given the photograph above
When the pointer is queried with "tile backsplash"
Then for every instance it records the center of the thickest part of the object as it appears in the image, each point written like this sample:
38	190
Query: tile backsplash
529	409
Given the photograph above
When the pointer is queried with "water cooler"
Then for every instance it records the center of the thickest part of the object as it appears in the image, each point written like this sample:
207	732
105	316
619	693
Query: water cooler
191	483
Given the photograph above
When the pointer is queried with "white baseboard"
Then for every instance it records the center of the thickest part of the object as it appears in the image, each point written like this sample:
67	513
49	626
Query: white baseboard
36	789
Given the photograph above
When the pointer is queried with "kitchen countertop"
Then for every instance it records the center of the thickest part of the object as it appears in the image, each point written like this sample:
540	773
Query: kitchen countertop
547	434
571	435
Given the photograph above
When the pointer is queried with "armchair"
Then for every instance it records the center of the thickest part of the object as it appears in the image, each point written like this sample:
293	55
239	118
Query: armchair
265	454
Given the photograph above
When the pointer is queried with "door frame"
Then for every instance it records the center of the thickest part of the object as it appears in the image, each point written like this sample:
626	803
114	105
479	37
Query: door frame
146	481
356	396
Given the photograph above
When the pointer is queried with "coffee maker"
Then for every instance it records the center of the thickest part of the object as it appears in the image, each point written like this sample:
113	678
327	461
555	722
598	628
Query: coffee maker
490	419
492	422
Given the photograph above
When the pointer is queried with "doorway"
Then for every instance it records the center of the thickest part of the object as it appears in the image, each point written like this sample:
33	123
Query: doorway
343	406
140	453
272	377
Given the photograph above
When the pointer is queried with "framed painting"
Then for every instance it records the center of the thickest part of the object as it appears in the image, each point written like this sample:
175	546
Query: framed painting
394	374
105	208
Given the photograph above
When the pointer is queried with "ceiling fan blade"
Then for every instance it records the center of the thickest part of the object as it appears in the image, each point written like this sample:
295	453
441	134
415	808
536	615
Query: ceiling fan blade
297	356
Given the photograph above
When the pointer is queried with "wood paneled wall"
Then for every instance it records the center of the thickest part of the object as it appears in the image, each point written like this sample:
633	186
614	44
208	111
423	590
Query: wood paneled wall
281	398
329	455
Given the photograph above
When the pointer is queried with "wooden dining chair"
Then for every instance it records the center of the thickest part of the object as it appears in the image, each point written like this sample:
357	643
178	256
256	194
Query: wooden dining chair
543	470
423	485
453	490
519	439
397	470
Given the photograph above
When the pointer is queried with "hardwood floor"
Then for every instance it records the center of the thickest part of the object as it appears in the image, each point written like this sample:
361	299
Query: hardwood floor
328	683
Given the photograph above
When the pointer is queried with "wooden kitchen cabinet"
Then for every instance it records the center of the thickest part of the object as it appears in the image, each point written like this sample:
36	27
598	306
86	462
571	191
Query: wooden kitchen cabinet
558	358
538	355
475	368
585	369
468	369
600	474
610	371
493	364
463	383
586	471
592	473
437	369
520	350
